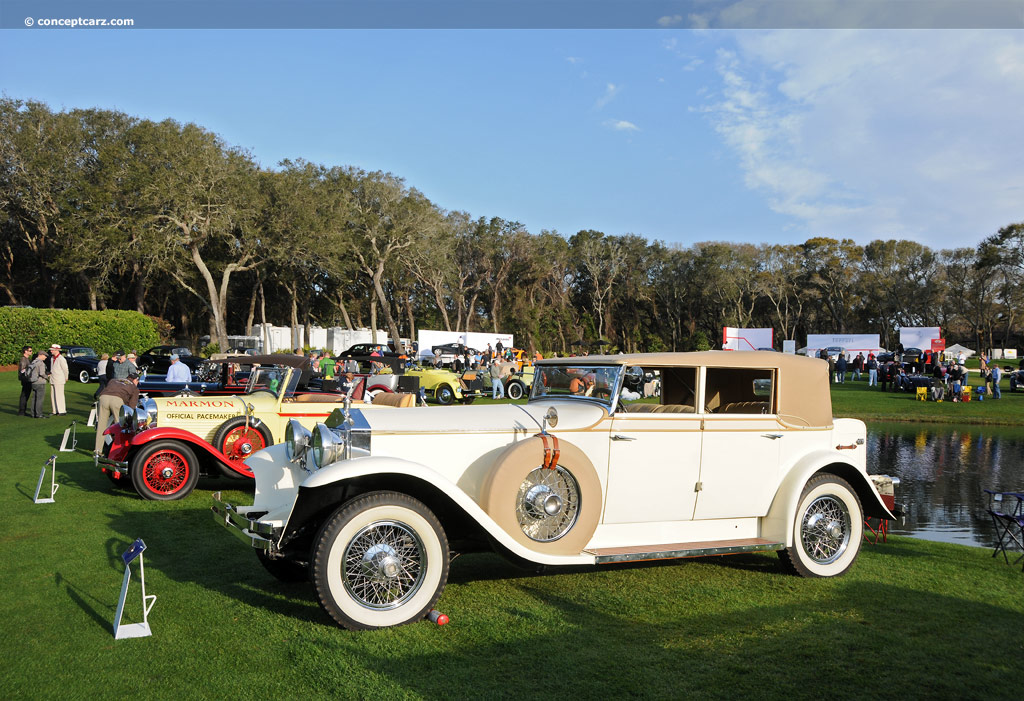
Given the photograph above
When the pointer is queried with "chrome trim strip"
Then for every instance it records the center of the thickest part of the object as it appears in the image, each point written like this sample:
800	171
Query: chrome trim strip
691	552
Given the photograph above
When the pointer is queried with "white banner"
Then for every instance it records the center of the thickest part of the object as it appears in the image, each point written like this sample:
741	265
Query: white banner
747	339
919	336
852	343
472	339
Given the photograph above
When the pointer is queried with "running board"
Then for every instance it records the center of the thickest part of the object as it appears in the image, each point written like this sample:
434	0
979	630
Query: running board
676	550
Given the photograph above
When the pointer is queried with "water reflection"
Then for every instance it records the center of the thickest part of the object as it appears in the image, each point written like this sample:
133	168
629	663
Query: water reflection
944	470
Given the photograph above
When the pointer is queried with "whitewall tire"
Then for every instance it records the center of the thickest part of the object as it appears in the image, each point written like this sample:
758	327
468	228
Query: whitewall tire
827	529
381	560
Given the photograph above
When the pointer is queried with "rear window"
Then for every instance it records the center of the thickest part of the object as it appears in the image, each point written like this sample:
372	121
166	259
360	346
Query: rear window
739	391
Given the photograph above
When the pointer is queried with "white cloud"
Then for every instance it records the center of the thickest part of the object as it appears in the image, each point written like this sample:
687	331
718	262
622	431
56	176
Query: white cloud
878	134
669	20
574	59
610	91
621	125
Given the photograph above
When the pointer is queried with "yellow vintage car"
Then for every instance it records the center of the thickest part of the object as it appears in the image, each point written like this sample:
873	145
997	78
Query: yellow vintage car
163	446
447	387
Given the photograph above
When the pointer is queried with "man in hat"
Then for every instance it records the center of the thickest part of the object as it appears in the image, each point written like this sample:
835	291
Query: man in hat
58	378
116	394
178	371
119	369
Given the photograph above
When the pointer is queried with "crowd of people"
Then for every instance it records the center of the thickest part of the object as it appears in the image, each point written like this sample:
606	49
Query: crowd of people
899	373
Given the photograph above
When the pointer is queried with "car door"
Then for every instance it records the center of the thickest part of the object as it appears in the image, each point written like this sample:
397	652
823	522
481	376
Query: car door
740	445
654	455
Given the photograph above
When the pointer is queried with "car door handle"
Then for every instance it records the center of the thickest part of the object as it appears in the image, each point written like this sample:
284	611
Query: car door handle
620	437
773	436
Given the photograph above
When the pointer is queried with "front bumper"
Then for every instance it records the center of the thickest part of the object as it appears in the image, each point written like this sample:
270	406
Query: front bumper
118	466
261	536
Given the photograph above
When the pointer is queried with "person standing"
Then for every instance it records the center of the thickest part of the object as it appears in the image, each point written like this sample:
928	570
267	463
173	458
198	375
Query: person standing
497	386
116	394
858	365
872	366
101	373
327	367
37	378
26	386
178	371
58	378
996	374
118	369
841	368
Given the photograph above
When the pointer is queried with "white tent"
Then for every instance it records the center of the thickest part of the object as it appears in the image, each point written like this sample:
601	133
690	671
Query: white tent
954	350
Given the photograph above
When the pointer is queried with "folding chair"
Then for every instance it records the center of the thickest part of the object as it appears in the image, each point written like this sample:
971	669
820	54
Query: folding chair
1007	512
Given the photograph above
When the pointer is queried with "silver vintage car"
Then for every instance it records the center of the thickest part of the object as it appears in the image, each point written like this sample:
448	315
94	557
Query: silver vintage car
739	453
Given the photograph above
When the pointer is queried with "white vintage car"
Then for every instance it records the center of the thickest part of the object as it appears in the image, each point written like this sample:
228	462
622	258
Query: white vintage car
739	454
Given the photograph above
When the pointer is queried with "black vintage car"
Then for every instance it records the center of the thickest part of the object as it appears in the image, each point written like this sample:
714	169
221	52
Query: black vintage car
82	362
158	359
361	349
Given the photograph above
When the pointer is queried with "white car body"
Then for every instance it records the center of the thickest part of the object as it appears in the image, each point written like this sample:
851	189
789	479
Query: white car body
740	455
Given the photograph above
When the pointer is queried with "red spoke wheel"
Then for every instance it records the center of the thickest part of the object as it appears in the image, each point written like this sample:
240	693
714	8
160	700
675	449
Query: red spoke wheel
165	470
238	441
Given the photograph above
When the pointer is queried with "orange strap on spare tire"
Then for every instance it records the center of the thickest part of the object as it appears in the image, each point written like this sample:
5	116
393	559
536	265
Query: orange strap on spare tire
551	451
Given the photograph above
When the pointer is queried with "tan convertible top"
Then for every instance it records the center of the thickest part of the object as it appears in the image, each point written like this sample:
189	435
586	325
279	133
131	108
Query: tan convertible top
803	390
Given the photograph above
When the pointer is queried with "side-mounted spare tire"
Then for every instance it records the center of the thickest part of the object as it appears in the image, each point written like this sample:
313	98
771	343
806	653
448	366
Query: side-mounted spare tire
238	441
553	509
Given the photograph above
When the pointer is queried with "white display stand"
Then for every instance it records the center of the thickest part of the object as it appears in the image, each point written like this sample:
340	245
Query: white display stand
92	415
70	433
133	630
53	481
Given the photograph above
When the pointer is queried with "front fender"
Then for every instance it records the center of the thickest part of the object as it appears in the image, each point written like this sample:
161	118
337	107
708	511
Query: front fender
359	467
777	525
198	444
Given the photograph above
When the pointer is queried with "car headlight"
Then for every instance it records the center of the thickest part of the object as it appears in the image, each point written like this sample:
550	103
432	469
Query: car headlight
296	439
328	446
126	417
145	414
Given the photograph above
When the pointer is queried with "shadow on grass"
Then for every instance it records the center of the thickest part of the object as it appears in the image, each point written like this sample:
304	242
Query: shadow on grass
82	598
846	642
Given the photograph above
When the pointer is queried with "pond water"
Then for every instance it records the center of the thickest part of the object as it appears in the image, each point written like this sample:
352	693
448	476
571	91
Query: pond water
943	471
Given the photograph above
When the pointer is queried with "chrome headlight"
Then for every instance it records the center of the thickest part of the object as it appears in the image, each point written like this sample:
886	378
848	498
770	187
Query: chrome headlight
328	446
296	439
126	417
145	414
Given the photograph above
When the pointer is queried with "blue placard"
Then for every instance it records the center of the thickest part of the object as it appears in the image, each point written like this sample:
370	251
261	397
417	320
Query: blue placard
134	551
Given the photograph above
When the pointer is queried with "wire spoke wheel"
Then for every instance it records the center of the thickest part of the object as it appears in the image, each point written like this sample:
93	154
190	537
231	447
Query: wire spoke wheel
548	503
825	531
383	565
242	442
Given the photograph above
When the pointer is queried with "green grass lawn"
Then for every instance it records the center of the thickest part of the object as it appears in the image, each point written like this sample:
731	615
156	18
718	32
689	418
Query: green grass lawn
857	400
912	619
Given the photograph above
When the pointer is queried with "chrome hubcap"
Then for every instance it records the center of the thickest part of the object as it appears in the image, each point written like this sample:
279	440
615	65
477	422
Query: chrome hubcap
384	565
548	503
825	529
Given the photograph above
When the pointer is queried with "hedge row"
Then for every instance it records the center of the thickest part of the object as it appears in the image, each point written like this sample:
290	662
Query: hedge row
106	331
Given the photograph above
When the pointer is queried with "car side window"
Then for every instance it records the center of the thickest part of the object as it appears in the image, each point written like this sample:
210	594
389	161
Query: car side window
739	391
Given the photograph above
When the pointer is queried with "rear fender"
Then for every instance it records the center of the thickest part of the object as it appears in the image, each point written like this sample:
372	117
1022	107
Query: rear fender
777	525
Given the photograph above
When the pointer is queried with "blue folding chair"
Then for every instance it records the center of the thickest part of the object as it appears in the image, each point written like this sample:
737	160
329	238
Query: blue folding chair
1007	512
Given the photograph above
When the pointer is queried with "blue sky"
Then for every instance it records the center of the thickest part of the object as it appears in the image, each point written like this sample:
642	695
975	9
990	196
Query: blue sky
682	136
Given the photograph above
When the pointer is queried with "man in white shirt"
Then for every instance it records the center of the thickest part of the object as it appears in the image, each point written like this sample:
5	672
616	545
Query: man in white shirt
178	371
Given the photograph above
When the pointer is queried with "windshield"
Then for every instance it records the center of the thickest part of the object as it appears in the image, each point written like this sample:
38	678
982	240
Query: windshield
584	382
266	378
82	353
